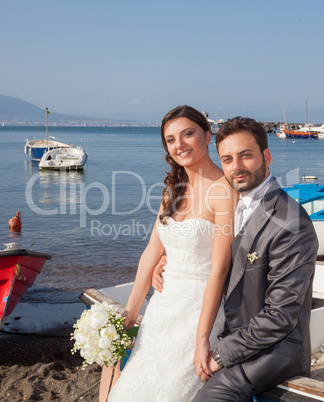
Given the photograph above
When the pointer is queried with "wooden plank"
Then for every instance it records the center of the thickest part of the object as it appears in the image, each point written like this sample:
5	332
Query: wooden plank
96	296
307	385
283	395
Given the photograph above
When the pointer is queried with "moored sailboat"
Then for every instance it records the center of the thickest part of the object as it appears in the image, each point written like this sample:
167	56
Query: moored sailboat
36	148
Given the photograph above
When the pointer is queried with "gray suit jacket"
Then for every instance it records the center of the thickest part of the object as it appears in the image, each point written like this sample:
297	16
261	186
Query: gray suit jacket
268	302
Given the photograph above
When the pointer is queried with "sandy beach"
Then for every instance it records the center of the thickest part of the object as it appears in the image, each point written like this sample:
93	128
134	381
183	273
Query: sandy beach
38	365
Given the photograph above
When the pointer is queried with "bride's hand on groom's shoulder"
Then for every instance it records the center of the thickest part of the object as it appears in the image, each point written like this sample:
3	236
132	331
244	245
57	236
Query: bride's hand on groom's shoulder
157	280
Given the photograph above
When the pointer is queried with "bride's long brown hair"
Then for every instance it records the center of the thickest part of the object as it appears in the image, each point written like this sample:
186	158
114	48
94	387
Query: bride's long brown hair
175	183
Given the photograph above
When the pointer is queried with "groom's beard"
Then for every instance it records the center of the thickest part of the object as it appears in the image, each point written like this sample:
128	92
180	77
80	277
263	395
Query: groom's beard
252	181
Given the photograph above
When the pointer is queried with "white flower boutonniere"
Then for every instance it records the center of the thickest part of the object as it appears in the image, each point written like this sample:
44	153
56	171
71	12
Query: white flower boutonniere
252	257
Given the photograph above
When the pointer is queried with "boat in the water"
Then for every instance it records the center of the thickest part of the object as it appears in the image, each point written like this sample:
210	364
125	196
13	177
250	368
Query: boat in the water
18	271
311	128
36	148
280	131
308	131
214	126
302	134
311	197
296	389
71	158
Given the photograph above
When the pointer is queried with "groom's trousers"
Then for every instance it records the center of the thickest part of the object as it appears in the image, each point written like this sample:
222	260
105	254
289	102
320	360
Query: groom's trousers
227	384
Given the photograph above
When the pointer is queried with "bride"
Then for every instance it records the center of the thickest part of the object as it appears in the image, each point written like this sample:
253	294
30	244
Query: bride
195	229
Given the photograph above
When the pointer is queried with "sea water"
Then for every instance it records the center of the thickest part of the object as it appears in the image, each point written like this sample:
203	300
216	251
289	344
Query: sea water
96	223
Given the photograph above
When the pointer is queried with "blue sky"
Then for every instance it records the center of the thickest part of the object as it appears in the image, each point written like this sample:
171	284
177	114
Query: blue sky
136	60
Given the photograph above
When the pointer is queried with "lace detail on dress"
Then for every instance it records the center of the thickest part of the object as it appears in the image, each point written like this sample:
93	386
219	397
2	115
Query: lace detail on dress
161	368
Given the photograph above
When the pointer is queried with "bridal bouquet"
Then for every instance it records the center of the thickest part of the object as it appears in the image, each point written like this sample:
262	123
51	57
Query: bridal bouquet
101	336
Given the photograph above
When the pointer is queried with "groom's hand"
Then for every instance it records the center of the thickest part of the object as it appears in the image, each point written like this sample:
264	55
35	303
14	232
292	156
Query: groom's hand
212	364
212	367
157	280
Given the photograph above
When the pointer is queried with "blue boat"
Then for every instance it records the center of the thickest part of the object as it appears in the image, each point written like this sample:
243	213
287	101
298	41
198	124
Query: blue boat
37	148
311	197
313	135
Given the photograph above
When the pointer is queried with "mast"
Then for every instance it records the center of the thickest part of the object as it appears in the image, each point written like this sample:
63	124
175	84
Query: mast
47	127
284	115
306	113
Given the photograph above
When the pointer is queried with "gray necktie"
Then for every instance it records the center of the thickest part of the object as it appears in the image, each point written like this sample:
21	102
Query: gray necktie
239	215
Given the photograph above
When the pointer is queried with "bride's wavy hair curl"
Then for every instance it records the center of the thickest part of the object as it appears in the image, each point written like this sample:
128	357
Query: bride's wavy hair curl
175	183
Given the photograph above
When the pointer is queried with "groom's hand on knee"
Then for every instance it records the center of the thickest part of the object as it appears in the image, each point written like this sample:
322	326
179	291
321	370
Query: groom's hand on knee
213	366
157	280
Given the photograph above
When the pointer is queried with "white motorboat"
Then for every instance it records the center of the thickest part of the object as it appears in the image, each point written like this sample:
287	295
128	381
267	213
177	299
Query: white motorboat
71	158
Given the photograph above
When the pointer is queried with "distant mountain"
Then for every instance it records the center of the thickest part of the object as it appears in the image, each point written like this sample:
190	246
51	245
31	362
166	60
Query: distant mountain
15	111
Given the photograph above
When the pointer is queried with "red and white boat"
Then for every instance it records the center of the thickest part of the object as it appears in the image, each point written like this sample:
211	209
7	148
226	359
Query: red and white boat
18	271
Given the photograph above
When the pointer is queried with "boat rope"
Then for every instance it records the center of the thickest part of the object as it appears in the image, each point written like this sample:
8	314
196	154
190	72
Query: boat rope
86	391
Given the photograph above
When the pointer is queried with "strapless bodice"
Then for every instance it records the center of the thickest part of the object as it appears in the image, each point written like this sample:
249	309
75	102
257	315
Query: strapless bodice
188	245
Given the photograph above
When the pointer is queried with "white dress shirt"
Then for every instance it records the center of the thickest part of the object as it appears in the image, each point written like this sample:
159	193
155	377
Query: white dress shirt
251	201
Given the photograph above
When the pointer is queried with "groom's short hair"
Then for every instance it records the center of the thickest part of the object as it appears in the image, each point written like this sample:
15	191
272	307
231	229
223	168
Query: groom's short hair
232	126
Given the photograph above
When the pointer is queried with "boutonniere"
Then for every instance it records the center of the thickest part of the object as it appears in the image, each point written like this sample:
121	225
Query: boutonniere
252	257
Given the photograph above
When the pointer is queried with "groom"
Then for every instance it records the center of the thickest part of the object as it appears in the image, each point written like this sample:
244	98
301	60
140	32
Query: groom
269	292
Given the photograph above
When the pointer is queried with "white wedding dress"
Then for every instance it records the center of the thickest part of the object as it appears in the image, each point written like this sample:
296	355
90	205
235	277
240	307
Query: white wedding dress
161	368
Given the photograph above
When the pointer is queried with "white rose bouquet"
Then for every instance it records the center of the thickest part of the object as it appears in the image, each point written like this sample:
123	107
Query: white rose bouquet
101	336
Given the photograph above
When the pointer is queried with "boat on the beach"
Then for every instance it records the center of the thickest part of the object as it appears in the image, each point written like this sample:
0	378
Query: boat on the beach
18	271
71	158
36	148
311	197
296	389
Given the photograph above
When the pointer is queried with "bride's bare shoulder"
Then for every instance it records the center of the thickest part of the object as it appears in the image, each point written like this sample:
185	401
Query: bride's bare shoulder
222	192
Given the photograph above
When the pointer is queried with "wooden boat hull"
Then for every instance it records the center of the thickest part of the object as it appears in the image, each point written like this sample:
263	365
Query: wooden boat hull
18	271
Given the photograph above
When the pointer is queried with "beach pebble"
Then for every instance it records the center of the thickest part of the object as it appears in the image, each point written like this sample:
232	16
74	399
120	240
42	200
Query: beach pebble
317	358
321	359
